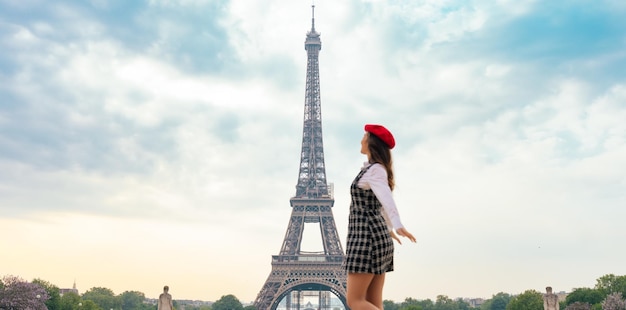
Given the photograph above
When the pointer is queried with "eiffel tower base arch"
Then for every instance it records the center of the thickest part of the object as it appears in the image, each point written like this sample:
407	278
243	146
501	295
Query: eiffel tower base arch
294	295
295	298
294	269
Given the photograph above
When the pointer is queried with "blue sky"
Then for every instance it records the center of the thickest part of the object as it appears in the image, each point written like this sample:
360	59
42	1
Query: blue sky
157	142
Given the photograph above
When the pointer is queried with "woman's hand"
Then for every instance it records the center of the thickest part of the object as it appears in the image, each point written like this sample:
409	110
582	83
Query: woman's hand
404	233
395	237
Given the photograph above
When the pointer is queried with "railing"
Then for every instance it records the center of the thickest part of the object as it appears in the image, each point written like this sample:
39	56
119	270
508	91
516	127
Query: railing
307	258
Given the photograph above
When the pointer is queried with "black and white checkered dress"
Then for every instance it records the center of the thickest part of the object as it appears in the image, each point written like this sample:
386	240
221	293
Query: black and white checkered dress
369	245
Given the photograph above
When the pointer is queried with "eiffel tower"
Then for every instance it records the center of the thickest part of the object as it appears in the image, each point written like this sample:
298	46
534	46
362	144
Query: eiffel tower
296	274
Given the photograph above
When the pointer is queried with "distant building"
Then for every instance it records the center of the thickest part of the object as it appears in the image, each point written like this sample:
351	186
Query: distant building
474	302
69	290
562	295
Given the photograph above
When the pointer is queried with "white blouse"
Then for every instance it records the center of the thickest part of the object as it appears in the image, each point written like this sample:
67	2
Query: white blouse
376	179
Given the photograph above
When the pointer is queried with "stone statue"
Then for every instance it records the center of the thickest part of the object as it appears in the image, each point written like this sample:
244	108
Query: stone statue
550	300
165	300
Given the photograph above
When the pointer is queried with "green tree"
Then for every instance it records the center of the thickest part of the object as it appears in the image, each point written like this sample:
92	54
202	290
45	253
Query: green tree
463	305
209	308
497	302
390	305
584	295
54	295
529	300
427	304
611	283
69	301
103	297
88	305
414	304
578	305
227	302
443	302
132	300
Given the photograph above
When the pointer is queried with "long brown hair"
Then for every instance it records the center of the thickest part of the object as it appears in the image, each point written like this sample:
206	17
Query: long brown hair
380	153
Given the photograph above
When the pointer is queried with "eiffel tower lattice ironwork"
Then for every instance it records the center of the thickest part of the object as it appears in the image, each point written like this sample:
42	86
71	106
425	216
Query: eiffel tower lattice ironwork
294	272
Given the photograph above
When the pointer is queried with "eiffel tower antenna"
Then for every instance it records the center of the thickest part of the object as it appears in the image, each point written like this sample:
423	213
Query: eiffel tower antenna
313	16
296	273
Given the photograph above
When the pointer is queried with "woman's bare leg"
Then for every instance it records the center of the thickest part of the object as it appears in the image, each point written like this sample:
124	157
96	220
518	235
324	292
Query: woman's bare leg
358	286
375	291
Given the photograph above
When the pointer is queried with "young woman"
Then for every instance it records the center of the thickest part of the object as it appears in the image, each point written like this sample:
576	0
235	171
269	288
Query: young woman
373	218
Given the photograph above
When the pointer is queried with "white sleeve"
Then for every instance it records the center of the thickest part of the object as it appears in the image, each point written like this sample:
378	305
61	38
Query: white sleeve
376	179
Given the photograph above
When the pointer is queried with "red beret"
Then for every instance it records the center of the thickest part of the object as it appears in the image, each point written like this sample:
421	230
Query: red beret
382	133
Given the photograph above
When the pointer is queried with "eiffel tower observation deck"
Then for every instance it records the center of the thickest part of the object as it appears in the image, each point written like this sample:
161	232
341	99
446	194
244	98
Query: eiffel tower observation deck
299	278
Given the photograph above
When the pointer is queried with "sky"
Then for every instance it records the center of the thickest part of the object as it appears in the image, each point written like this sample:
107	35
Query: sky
152	143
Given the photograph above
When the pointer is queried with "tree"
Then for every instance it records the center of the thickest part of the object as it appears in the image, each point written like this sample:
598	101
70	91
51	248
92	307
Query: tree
54	300
443	302
614	301
390	305
103	297
69	301
529	300
584	295
88	305
463	305
18	294
497	302
413	304
132	300
203	307
611	283
578	305
227	302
